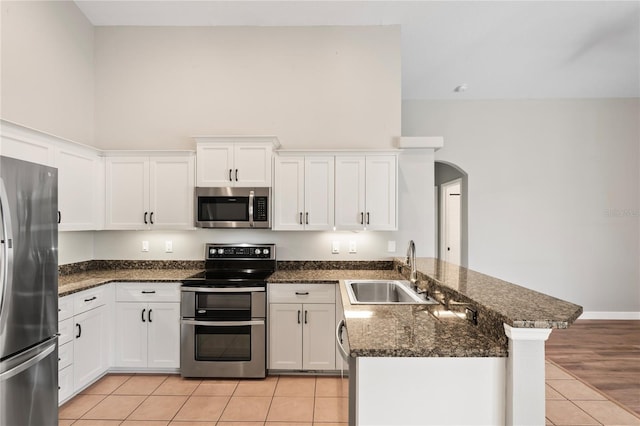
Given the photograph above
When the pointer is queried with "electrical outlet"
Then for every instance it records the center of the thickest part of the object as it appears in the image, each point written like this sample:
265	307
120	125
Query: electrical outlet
391	246
145	246
335	247
168	246
352	247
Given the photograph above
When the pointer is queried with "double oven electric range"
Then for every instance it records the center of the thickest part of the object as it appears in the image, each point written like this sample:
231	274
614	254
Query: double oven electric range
223	327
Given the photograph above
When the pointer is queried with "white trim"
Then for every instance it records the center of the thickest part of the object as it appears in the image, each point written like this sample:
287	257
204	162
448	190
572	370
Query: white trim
515	333
598	315
407	142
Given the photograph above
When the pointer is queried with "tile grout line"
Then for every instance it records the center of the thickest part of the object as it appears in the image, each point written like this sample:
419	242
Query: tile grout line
590	386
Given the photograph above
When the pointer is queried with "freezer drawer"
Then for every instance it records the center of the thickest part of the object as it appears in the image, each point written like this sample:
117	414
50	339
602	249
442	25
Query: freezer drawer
29	386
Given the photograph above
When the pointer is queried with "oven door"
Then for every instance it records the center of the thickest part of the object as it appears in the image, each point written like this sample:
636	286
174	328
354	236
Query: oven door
223	348
218	303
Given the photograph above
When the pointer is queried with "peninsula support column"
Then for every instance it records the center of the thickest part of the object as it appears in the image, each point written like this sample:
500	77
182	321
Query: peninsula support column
525	376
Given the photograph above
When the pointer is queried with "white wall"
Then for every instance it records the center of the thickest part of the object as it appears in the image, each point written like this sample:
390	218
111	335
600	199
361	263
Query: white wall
47	68
553	192
312	87
75	247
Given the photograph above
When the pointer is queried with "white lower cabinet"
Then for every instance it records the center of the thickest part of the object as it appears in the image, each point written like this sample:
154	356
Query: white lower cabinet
301	326
90	351
84	339
147	325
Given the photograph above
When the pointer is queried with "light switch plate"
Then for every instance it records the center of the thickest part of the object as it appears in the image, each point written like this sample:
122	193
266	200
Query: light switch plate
145	246
352	247
335	247
168	246
391	246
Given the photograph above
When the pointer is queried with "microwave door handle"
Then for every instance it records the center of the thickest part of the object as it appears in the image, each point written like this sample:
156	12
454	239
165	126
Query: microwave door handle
251	197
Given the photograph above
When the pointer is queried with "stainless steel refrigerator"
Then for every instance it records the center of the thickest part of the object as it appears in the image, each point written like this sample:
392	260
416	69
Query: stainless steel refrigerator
28	294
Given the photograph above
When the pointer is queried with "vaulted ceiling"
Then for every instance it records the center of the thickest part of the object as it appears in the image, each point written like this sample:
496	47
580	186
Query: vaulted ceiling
499	50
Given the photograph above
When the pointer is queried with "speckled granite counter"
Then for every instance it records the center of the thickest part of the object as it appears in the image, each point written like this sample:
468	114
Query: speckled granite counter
73	283
320	276
398	330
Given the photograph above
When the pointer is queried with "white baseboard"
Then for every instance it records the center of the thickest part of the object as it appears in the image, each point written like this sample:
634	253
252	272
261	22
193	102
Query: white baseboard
596	315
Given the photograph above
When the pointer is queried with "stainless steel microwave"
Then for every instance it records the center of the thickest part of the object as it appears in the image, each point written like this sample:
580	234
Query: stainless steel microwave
232	207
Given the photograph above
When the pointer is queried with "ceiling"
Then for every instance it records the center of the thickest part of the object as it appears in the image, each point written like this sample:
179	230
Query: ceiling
499	50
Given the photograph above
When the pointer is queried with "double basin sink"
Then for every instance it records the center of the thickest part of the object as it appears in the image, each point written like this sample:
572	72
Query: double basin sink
385	292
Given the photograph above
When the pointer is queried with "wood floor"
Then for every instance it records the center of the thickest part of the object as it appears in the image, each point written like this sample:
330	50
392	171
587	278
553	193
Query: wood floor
603	353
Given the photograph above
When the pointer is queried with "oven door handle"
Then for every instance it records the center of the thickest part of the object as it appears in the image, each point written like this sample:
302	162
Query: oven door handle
222	289
222	323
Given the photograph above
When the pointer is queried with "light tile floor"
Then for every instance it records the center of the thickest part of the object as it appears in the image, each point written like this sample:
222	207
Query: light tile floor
571	402
162	400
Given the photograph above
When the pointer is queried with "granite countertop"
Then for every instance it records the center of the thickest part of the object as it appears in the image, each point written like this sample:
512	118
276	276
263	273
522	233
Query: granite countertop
399	330
73	283
319	276
515	305
413	331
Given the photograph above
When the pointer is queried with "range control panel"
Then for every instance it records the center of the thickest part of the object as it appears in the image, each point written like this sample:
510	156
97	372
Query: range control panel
241	251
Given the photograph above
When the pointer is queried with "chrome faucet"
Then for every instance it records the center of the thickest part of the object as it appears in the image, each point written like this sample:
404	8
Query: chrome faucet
411	262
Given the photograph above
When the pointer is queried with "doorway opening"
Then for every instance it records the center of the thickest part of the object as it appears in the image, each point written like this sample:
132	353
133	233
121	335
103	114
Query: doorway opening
451	202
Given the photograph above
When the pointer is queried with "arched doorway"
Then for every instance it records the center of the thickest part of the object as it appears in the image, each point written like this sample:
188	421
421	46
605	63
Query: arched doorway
451	201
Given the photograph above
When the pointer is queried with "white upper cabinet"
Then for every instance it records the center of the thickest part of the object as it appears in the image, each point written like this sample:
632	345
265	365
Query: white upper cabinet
304	193
80	189
154	192
239	161
80	173
366	192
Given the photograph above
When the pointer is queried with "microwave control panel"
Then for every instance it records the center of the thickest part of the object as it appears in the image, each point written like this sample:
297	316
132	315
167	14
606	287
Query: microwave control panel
260	209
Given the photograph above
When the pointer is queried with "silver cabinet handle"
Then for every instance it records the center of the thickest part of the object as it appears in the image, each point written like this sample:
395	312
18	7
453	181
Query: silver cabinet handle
222	323
339	328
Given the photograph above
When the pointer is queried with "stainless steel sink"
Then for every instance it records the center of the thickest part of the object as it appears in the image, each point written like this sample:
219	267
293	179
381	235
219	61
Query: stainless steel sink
383	292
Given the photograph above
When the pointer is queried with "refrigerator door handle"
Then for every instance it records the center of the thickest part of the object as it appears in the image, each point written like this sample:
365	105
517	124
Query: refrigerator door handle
6	247
6	375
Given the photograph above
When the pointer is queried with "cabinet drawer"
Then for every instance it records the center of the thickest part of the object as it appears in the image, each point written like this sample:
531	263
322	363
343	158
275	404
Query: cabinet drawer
89	299
65	355
148	292
302	293
65	384
65	307
65	329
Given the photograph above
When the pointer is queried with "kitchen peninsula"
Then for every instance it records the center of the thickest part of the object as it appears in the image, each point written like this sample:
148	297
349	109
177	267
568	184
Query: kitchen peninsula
476	359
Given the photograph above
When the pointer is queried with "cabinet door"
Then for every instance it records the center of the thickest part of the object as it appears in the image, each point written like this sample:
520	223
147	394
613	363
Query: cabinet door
319	193
285	336
288	194
350	192
90	352
381	193
78	190
163	335
127	193
252	165
171	192
318	347
214	164
131	335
